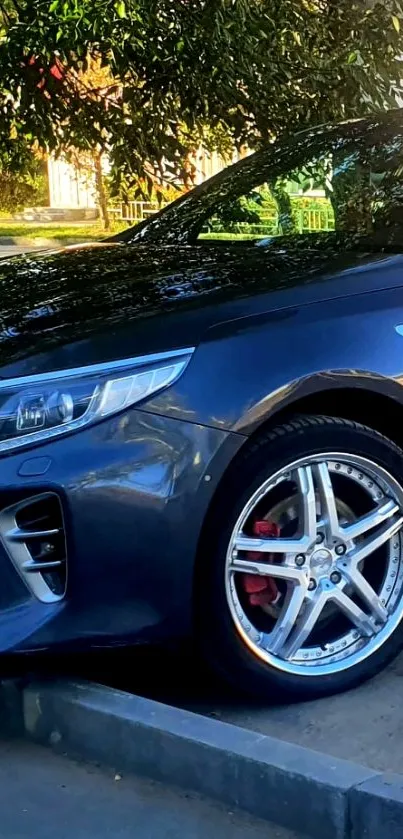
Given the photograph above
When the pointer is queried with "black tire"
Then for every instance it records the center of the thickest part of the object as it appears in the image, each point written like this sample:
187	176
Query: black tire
220	642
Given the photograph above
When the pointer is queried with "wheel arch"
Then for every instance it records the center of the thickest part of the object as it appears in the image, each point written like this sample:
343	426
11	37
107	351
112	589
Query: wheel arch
372	408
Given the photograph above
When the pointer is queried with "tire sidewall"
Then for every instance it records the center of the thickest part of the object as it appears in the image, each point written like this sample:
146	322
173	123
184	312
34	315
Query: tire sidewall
220	640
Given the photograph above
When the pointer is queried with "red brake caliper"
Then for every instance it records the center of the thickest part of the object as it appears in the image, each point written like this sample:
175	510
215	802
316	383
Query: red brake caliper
261	590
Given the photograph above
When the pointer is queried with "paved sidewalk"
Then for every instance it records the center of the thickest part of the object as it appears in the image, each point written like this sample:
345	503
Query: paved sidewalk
44	796
10	246
13	250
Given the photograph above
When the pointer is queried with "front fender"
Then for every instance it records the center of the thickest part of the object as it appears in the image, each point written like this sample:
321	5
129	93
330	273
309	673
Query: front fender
247	369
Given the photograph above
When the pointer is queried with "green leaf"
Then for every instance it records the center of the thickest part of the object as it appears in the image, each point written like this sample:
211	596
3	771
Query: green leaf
396	22
355	57
297	38
54	6
121	8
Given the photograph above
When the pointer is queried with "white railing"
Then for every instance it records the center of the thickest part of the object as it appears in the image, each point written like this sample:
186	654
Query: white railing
134	211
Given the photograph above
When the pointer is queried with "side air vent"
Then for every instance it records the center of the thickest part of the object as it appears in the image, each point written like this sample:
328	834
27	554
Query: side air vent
33	533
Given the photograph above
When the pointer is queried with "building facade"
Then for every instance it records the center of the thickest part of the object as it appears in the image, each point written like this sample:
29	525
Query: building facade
72	186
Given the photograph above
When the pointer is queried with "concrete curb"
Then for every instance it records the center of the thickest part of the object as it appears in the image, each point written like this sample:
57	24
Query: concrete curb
287	784
11	708
39	242
376	808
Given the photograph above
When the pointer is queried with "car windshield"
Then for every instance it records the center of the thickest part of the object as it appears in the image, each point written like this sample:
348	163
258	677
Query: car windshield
343	180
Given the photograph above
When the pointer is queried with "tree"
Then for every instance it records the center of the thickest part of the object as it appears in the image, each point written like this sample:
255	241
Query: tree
97	83
219	71
23	185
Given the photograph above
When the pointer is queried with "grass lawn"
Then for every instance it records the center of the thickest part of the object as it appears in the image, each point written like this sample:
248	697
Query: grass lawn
62	232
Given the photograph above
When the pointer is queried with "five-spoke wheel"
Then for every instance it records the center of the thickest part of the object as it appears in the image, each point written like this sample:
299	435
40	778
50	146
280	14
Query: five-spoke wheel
324	569
312	573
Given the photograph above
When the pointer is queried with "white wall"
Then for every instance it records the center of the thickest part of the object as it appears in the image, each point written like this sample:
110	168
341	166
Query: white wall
69	187
73	188
208	165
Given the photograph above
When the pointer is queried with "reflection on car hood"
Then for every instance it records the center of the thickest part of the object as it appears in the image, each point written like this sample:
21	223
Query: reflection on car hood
131	299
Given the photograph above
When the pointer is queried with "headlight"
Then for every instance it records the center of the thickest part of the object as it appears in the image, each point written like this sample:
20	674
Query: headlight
36	408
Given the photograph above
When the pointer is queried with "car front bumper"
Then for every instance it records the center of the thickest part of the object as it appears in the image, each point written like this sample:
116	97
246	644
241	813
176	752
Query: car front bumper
134	491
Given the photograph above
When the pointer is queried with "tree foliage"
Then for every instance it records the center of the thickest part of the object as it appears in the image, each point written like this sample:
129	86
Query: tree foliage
26	186
181	71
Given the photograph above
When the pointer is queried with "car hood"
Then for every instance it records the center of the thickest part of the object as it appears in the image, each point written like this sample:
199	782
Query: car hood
97	302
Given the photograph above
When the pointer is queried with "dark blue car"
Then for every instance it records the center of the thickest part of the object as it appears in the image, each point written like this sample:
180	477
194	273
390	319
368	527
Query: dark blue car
201	423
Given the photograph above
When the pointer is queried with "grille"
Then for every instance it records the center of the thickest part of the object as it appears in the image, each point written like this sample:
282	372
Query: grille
33	533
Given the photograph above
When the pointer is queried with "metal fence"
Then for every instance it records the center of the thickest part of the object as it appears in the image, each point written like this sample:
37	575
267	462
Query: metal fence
134	211
314	219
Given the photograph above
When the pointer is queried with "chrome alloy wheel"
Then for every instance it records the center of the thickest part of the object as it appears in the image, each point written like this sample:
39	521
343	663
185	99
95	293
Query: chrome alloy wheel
337	562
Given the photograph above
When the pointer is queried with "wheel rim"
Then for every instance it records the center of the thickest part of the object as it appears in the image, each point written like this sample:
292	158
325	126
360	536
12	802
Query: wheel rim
340	573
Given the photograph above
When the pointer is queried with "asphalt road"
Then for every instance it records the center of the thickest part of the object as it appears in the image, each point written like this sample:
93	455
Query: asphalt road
364	725
43	796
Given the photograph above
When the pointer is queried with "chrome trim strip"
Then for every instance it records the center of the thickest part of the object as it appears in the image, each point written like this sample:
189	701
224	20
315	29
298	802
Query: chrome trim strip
93	369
